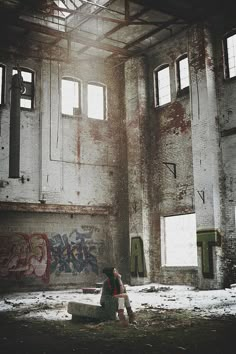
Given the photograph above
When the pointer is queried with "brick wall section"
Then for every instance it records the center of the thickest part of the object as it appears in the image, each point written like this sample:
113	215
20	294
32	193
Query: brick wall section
170	141
205	144
227	123
137	156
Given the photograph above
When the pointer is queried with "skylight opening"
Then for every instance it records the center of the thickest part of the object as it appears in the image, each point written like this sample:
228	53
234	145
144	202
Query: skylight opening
61	4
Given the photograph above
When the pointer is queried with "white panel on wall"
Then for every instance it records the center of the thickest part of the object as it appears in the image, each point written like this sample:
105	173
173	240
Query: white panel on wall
179	243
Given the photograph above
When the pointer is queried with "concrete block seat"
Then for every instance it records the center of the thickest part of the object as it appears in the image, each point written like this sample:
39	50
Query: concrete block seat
80	311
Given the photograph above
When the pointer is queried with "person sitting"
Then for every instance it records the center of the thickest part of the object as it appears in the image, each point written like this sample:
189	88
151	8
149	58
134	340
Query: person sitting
113	291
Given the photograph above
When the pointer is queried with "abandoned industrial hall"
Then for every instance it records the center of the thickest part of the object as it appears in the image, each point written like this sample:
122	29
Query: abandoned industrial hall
117	142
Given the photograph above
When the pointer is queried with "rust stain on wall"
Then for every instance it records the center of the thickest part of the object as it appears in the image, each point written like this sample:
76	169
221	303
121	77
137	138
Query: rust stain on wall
174	119
197	59
95	132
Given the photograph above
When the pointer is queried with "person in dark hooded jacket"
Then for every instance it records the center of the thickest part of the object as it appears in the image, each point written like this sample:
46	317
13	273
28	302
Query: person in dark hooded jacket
113	290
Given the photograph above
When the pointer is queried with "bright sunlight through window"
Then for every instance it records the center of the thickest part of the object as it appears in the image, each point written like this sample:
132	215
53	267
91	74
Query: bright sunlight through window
96	101
70	96
183	73
179	243
162	78
1	84
27	96
231	49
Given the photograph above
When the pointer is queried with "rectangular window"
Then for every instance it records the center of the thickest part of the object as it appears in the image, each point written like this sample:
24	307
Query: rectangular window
179	241
27	96
230	56
96	101
162	85
183	73
70	96
2	84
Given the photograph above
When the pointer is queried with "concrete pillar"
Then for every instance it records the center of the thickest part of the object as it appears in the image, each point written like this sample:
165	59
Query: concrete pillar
14	153
206	157
139	208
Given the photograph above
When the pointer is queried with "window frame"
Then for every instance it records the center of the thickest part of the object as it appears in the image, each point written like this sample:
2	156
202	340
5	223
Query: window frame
32	83
226	55
104	87
156	87
73	79
185	89
2	102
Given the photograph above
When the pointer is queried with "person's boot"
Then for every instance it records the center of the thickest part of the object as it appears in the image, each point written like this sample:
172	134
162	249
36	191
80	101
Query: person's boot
122	318
131	315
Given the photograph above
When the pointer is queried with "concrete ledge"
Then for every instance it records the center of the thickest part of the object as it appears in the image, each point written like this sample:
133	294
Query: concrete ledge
93	312
55	208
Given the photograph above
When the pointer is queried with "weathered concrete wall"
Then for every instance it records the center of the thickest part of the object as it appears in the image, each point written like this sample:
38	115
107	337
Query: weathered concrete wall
171	143
69	161
206	156
126	164
226	91
138	170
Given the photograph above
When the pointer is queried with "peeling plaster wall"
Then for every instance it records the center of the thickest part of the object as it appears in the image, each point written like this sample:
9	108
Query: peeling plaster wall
69	160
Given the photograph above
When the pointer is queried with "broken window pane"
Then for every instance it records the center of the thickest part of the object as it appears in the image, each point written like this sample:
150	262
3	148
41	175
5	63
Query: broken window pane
70	96
96	101
27	96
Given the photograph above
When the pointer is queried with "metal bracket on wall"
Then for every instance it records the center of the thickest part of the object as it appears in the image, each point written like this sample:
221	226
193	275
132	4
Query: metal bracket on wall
171	166
202	196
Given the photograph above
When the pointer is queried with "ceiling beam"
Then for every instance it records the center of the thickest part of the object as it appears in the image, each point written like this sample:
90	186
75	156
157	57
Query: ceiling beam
182	9
72	37
115	29
148	35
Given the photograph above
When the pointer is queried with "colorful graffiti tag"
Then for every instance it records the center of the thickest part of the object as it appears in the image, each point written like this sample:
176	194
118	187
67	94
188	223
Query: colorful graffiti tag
23	255
74	253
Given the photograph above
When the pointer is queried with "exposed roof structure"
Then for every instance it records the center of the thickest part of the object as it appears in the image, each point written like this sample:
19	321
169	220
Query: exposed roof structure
101	28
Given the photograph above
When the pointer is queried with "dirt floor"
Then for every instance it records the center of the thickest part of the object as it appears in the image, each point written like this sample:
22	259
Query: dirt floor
157	331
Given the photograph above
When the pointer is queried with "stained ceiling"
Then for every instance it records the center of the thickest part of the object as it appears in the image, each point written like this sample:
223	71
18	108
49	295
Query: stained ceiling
100	28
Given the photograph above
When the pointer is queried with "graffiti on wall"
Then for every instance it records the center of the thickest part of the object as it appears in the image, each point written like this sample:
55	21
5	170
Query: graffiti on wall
207	239
23	255
75	252
137	257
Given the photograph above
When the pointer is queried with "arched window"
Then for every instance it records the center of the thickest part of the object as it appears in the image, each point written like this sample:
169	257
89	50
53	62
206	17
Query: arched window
229	43
70	96
162	93
2	83
182	72
27	95
96	100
